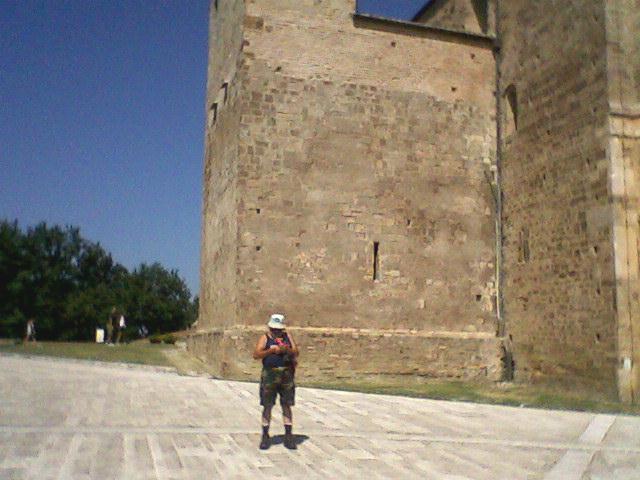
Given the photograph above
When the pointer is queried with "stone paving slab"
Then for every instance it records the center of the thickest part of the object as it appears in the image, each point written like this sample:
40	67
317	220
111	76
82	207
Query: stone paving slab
66	419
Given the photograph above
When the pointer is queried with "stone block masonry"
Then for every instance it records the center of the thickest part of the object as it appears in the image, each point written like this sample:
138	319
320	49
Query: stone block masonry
219	227
458	199
559	298
347	179
571	300
350	353
343	164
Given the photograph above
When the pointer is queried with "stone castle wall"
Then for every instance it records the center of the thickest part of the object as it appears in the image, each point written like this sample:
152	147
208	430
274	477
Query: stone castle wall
559	289
359	147
352	182
364	195
623	62
477	16
327	354
218	266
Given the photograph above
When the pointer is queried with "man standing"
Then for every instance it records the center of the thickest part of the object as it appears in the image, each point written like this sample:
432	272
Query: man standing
278	353
30	334
121	325
111	322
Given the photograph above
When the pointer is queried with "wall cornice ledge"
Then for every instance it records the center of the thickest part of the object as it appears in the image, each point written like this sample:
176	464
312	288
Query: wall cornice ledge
403	27
328	331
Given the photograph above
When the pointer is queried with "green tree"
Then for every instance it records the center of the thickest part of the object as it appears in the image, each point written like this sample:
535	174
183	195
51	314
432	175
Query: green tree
158	298
11	264
49	276
69	285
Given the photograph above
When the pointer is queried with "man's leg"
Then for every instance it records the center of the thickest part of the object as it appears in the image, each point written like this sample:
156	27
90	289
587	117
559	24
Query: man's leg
287	415
287	400
267	400
266	416
265	441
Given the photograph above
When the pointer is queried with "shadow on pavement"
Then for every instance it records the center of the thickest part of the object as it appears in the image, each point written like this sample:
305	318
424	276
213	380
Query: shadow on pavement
279	439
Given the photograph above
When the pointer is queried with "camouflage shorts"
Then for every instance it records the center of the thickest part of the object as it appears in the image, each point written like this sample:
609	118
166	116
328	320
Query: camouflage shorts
276	381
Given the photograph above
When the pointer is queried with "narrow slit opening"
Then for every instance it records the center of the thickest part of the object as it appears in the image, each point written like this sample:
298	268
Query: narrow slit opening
511	112
213	114
225	93
376	261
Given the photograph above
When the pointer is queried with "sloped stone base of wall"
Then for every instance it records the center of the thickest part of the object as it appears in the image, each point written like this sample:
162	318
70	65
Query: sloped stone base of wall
330	354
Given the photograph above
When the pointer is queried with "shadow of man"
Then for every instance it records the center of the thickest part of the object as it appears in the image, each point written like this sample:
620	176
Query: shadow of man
298	439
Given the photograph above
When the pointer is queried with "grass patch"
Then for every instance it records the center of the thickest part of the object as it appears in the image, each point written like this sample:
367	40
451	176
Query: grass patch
139	352
510	394
164	338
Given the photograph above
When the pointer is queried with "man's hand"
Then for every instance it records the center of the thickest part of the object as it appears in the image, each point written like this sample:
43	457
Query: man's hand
274	350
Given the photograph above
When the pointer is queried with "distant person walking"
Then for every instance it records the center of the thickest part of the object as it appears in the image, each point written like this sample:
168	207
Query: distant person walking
143	331
120	326
111	323
278	353
30	333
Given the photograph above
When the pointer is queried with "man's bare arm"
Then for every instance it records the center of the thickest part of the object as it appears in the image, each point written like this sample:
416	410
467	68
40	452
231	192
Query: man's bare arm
260	352
294	346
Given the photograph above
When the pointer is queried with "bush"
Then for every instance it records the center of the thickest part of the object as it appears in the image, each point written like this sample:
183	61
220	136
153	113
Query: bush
168	338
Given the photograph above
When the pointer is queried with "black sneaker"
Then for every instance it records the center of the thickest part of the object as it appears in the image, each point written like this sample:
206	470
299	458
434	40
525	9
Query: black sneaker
289	442
265	442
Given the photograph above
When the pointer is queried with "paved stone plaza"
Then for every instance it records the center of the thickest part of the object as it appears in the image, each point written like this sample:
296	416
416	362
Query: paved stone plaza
64	419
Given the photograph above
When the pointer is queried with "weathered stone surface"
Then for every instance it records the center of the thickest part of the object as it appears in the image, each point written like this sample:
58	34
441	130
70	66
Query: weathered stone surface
219	228
477	16
570	290
350	353
623	68
317	164
362	174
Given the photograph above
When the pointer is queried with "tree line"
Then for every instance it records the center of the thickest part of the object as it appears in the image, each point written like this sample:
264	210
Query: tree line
69	285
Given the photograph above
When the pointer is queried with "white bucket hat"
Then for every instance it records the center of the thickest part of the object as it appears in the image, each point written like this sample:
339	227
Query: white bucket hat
276	321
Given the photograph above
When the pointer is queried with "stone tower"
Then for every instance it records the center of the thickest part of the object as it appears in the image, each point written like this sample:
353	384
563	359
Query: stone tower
363	177
569	77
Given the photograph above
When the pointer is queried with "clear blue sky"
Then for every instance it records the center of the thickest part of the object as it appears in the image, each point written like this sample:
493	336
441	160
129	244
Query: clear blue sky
400	9
102	121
